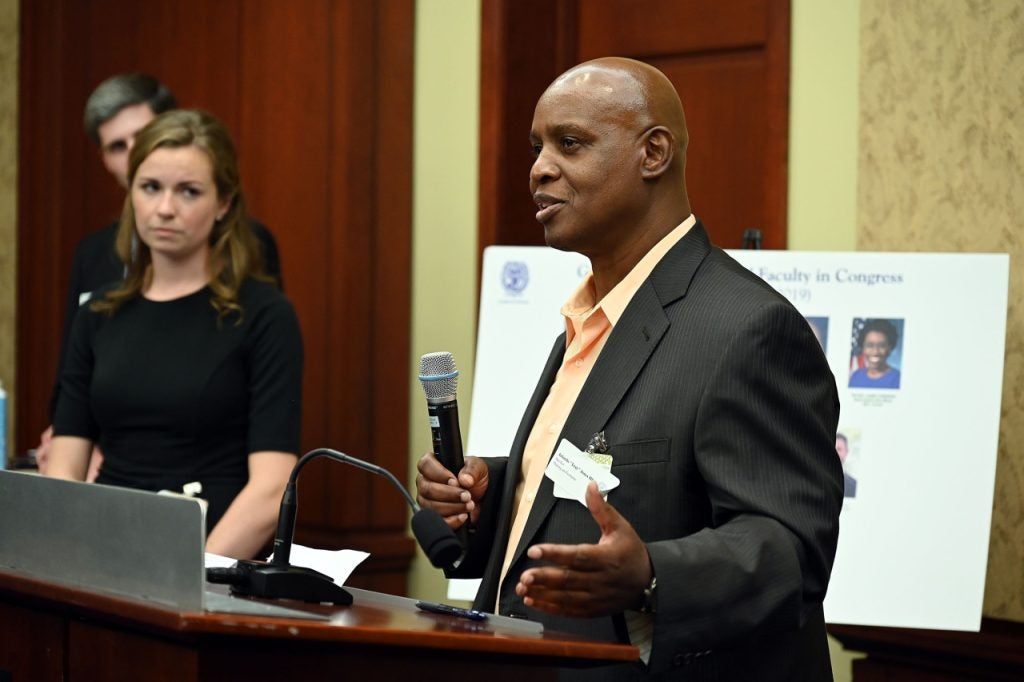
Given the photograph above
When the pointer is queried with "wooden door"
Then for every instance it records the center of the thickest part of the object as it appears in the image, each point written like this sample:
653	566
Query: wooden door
729	60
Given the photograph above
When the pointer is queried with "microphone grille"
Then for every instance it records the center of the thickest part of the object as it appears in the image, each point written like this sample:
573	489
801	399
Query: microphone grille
438	375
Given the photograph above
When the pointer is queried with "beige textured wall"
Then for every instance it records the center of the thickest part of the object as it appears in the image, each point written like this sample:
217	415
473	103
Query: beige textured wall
823	125
942	169
445	130
8	191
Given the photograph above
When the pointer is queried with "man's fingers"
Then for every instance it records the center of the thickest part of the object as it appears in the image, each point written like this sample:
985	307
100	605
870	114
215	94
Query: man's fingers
576	557
474	477
441	492
607	517
438	489
455	522
569	601
559	598
431	469
558	578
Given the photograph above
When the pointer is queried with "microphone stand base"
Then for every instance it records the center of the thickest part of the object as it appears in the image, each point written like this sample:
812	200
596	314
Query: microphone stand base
274	581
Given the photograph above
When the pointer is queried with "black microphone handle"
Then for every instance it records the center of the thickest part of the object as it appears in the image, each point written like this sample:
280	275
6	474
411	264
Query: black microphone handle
446	437
445	434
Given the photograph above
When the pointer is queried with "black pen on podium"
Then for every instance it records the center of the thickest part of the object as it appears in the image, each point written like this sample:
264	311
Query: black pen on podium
448	610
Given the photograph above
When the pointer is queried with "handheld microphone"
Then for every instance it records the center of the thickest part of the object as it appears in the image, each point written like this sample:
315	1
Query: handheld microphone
440	380
280	580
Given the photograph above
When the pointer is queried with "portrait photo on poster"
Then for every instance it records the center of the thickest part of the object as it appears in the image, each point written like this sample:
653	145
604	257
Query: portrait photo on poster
875	352
819	325
848	449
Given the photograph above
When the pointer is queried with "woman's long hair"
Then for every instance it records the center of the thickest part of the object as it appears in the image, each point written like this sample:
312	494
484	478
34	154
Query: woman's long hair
234	251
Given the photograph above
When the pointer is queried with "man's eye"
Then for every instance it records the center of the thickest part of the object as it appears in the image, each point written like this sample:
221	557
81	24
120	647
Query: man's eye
570	143
117	147
536	148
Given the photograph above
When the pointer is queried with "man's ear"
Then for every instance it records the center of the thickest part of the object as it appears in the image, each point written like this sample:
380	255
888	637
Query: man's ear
659	150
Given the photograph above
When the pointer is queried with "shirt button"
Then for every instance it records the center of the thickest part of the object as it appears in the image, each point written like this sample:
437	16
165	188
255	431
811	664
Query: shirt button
529	497
579	363
553	428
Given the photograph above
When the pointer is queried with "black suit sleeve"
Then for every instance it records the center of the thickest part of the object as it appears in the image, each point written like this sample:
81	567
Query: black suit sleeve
94	265
482	535
70	308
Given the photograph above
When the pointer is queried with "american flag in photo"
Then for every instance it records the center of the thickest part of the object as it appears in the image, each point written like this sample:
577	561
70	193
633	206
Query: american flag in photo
856	353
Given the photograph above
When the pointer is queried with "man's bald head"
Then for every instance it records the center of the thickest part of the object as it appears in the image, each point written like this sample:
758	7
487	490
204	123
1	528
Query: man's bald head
633	88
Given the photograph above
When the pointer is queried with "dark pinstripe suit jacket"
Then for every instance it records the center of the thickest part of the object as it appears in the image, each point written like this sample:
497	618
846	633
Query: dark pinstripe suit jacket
720	412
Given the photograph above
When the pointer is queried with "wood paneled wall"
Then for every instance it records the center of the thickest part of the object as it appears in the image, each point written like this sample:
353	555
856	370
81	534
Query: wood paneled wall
318	95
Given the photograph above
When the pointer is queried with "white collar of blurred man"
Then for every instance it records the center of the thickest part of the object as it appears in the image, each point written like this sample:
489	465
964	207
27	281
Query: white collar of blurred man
117	135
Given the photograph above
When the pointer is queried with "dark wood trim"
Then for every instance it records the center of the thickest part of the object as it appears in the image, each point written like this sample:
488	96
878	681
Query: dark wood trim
776	169
519	58
994	653
392	289
492	98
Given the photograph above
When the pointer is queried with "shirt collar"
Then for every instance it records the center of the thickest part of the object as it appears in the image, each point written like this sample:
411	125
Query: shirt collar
582	303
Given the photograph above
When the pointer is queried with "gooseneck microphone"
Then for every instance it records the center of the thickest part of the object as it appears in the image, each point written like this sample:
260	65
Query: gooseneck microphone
280	580
440	381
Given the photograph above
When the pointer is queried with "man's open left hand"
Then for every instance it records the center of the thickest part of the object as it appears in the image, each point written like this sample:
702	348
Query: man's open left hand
587	581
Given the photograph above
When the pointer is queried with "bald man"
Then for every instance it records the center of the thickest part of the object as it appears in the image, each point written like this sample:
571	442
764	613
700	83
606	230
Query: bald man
701	388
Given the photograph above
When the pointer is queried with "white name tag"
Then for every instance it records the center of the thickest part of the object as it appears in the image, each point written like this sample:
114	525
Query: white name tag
571	470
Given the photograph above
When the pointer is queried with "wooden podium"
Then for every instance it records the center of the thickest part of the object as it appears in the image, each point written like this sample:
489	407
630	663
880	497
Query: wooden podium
53	632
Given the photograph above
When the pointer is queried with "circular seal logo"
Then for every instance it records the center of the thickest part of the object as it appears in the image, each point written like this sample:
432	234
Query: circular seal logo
514	277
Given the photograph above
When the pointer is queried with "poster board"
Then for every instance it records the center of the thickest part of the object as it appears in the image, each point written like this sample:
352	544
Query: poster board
913	544
920	441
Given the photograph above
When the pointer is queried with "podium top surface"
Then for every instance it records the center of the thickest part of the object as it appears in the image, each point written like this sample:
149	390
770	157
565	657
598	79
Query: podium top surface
373	619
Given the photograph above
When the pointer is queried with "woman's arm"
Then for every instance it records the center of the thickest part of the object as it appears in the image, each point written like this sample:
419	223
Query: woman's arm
69	457
250	520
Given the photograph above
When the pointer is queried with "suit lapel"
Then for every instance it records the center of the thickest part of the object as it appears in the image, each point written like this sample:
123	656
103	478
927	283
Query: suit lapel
489	584
624	355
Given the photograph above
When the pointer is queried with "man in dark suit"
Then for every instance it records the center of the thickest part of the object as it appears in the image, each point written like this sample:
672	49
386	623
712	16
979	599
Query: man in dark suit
702	388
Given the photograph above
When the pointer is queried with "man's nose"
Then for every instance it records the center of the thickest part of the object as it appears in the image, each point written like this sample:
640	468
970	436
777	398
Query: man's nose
544	170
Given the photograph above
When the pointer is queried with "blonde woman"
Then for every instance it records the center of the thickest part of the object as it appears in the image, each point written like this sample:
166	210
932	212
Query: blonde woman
190	369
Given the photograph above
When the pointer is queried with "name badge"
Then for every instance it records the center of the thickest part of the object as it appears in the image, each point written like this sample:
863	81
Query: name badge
571	470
